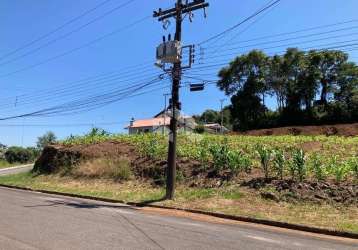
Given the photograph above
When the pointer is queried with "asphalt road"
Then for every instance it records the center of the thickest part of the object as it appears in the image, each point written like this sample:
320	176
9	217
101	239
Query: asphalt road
16	170
30	220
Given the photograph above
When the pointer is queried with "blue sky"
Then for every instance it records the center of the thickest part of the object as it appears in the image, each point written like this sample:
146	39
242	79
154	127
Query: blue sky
25	20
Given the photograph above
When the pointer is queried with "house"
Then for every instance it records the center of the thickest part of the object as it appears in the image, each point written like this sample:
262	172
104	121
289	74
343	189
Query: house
160	123
156	124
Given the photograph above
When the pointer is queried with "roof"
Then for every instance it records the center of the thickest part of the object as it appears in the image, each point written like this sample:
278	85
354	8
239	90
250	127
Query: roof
150	122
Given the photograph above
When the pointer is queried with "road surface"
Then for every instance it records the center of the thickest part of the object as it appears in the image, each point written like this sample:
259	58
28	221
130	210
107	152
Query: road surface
30	220
16	170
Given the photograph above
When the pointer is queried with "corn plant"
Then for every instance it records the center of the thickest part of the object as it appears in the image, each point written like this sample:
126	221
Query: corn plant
354	166
317	167
298	161
219	154
265	157
279	162
151	146
237	162
203	153
340	172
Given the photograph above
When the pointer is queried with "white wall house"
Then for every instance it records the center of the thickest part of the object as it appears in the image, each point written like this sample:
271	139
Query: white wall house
160	124
152	125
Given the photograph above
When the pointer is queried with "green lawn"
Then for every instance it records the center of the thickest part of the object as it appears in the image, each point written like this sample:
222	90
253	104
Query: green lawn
230	200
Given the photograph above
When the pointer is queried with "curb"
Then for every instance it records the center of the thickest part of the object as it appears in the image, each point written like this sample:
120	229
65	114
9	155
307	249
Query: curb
218	215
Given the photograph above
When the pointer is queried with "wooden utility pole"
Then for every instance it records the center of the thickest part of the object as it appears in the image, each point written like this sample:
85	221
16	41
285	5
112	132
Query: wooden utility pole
163	15
222	116
165	112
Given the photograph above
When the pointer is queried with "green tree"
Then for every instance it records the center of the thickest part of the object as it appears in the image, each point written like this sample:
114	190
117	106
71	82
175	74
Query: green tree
346	91
327	64
245	80
48	138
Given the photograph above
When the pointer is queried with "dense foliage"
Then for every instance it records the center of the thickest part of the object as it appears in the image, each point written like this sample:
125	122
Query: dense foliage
312	87
212	116
21	155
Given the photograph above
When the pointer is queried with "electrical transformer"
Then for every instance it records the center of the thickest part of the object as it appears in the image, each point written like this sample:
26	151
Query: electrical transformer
169	52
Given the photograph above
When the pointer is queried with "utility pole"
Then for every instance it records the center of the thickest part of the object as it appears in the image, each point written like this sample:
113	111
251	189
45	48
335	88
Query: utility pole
165	111
222	116
176	71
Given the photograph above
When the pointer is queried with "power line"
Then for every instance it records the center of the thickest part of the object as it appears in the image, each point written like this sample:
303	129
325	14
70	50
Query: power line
83	105
73	92
26	45
65	125
298	37
48	43
346	43
239	24
77	48
82	86
299	31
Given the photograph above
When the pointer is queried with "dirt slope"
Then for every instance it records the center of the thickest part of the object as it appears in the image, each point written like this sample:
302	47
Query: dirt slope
337	129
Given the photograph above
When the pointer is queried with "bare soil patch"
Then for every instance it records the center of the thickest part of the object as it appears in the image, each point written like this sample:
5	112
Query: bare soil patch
328	130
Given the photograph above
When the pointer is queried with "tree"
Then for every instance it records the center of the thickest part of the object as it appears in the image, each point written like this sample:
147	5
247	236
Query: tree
213	116
276	80
296	78
245	81
47	139
327	64
346	90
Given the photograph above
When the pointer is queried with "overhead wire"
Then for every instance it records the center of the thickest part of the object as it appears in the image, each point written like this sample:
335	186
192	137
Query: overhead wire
83	105
238	24
71	51
26	45
297	31
48	43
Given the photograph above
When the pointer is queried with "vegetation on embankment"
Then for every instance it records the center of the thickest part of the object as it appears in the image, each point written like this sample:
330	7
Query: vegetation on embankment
310	180
299	158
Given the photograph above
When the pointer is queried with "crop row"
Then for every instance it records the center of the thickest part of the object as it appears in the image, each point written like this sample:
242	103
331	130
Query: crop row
296	157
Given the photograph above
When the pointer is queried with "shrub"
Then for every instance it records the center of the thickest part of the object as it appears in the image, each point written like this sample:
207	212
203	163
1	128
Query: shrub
265	157
20	155
199	129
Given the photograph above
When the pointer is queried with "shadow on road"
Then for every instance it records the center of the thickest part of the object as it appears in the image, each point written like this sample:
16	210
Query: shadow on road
148	202
80	204
88	205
